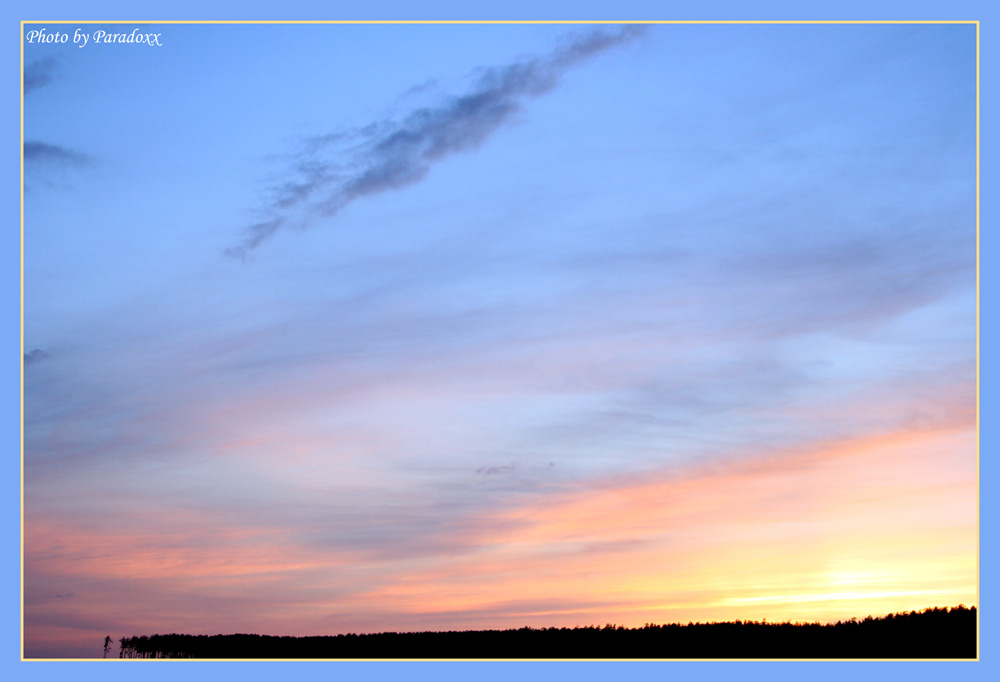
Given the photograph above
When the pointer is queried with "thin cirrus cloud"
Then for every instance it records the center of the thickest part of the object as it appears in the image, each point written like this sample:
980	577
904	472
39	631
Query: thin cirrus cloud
389	155
36	355
39	73
39	155
52	154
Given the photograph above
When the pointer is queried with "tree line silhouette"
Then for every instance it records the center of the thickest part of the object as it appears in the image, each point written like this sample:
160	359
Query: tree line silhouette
928	634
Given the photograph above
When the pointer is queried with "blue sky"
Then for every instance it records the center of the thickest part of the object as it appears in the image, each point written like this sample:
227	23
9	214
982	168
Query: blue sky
510	278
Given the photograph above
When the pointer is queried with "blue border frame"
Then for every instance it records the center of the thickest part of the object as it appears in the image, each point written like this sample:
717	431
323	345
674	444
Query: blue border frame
14	668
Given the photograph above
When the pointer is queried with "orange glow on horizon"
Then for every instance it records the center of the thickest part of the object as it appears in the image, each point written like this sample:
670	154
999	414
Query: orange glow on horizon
841	531
816	536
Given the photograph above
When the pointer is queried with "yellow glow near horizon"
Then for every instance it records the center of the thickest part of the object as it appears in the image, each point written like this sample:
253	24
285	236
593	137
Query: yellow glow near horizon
816	536
810	536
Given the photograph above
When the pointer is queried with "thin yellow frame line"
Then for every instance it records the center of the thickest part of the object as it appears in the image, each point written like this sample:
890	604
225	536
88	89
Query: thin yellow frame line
506	660
21	624
978	420
506	21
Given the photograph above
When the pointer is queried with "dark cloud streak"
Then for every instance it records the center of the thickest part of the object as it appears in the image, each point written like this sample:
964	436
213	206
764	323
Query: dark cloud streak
42	152
385	156
37	355
501	470
39	73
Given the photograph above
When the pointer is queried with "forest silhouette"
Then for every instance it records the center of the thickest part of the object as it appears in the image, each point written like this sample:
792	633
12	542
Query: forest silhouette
933	633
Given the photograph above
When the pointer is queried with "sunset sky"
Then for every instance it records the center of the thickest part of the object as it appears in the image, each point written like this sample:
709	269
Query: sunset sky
357	328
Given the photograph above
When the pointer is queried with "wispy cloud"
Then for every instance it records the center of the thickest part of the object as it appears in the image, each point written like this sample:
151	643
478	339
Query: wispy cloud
335	169
43	152
39	73
39	155
498	470
36	355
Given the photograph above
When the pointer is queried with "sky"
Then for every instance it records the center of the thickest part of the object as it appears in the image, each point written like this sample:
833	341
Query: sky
364	328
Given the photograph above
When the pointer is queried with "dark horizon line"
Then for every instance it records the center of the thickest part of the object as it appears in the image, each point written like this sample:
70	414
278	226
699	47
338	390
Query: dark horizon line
738	621
931	633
